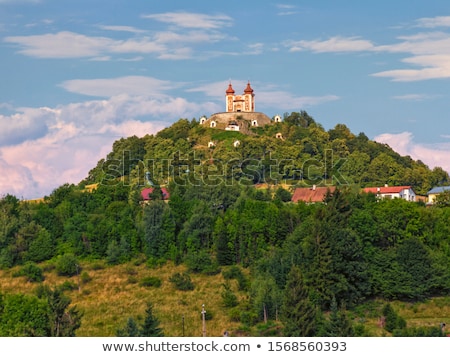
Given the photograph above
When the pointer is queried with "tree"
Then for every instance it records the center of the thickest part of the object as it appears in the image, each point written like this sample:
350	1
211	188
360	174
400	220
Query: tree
23	315
338	324
392	320
299	313
64	320
150	327
131	329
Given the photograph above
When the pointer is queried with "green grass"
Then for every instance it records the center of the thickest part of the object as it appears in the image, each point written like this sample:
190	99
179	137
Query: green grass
114	293
109	298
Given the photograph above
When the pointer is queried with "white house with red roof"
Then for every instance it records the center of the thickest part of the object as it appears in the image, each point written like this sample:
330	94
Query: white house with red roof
404	192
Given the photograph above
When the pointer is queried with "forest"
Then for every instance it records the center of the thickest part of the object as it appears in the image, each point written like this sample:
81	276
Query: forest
309	267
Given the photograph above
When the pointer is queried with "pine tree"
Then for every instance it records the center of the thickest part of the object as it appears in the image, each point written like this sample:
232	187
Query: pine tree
150	327
299	313
338	324
131	329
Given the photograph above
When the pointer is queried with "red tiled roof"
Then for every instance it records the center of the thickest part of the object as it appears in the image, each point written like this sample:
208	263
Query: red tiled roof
311	194
386	189
146	192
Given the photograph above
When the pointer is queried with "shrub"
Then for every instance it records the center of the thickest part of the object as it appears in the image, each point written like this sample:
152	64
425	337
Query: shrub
67	265
201	262
234	272
68	286
229	299
85	277
31	272
182	281
150	281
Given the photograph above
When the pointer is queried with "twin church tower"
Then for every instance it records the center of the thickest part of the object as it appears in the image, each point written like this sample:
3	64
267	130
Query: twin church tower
240	114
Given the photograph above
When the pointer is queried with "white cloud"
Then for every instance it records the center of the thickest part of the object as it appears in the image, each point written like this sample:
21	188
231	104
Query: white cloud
414	97
268	95
77	135
192	20
131	85
430	57
432	22
23	125
433	155
427	53
61	45
65	44
333	44
122	29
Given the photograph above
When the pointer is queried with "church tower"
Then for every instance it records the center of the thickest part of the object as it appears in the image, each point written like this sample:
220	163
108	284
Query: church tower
229	98
249	98
240	103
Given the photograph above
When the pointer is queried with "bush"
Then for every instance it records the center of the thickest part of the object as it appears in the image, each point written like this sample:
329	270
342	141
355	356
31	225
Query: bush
68	286
67	265
229	299
201	262
150	281
234	272
85	277
182	281
31	272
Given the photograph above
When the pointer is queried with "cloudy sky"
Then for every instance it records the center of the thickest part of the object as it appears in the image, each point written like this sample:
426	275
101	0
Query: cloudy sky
76	75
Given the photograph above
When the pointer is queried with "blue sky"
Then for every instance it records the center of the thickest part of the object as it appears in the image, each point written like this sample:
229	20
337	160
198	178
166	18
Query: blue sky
78	75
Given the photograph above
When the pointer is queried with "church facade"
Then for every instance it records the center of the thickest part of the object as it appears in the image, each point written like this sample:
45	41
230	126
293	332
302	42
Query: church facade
240	103
239	114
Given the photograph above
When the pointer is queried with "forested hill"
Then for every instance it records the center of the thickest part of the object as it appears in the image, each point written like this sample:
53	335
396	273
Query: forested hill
297	151
311	269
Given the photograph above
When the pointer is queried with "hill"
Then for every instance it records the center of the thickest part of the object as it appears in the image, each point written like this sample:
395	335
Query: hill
297	151
230	235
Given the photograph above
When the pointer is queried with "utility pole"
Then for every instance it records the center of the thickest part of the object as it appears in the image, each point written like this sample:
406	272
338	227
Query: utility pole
203	320
183	325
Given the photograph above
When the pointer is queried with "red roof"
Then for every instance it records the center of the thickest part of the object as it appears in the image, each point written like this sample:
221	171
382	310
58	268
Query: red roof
248	89
146	192
230	89
386	189
311	194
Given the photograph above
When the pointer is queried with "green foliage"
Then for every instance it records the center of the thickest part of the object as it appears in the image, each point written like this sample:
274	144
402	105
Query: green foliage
182	281
229	298
150	281
46	314
150	327
234	272
422	331
32	272
68	265
392	321
352	248
299	313
23	315
201	262
131	329
338	324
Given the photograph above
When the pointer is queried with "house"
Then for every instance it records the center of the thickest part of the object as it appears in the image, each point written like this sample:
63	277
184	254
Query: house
436	191
146	192
389	192
311	194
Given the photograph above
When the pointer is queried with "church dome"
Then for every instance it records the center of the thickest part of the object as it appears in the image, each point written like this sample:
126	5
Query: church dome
248	89
230	89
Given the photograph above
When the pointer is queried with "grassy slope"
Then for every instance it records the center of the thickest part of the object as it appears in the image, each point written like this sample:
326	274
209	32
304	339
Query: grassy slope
114	294
110	298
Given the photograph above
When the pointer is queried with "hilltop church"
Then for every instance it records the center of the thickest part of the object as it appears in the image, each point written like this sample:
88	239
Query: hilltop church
240	114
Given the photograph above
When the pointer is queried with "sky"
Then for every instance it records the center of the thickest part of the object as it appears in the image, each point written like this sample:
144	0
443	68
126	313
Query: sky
76	75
